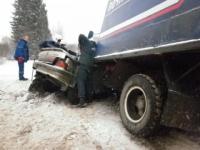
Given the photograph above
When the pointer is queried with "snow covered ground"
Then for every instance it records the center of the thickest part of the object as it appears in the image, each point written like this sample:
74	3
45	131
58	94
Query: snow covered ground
29	121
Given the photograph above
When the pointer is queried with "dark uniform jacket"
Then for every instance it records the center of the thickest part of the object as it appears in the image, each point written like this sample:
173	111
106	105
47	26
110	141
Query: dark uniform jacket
87	48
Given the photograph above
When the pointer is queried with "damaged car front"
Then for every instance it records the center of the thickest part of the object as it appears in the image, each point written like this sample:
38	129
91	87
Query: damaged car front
56	69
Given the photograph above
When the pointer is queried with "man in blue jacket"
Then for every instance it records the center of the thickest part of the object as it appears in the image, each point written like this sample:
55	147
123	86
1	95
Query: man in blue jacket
22	55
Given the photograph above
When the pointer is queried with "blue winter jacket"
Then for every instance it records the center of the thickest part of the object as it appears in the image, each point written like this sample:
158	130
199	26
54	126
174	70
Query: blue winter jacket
22	50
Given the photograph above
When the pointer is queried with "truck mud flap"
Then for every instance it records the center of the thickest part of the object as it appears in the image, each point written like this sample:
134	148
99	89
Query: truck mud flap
182	112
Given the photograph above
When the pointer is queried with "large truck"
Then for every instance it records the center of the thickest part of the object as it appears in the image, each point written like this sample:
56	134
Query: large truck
148	55
149	52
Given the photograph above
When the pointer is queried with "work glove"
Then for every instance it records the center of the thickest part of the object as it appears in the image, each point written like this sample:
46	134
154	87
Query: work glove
20	60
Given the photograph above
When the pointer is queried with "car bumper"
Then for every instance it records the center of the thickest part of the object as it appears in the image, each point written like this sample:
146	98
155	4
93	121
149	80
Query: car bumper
64	77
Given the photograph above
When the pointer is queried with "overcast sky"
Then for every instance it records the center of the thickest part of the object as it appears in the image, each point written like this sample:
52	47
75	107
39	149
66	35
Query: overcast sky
70	17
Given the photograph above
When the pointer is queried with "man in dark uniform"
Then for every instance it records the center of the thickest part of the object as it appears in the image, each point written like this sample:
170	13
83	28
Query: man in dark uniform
86	62
22	55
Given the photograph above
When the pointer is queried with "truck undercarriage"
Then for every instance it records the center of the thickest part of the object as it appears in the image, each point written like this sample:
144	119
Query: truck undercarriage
174	75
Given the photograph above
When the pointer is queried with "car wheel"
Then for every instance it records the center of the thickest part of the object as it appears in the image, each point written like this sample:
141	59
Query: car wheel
37	83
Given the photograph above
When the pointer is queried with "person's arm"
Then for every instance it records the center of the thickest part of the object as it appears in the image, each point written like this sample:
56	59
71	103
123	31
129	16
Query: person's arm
93	46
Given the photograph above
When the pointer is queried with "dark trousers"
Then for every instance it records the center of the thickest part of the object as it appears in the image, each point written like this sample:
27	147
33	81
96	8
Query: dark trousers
84	82
21	70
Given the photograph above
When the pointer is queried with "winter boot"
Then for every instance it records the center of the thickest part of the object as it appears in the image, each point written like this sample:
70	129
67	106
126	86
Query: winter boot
82	103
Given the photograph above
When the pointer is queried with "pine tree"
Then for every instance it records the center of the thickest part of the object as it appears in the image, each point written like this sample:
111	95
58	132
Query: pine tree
30	17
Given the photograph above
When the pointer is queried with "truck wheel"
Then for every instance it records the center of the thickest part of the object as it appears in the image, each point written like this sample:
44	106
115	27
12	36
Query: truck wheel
72	96
140	105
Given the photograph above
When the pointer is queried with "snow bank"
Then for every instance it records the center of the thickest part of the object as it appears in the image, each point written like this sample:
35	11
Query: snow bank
29	121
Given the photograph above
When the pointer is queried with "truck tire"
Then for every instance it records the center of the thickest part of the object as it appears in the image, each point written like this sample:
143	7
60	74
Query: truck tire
140	105
72	96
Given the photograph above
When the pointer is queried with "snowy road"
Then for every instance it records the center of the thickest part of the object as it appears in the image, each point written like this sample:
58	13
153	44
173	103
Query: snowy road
28	121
